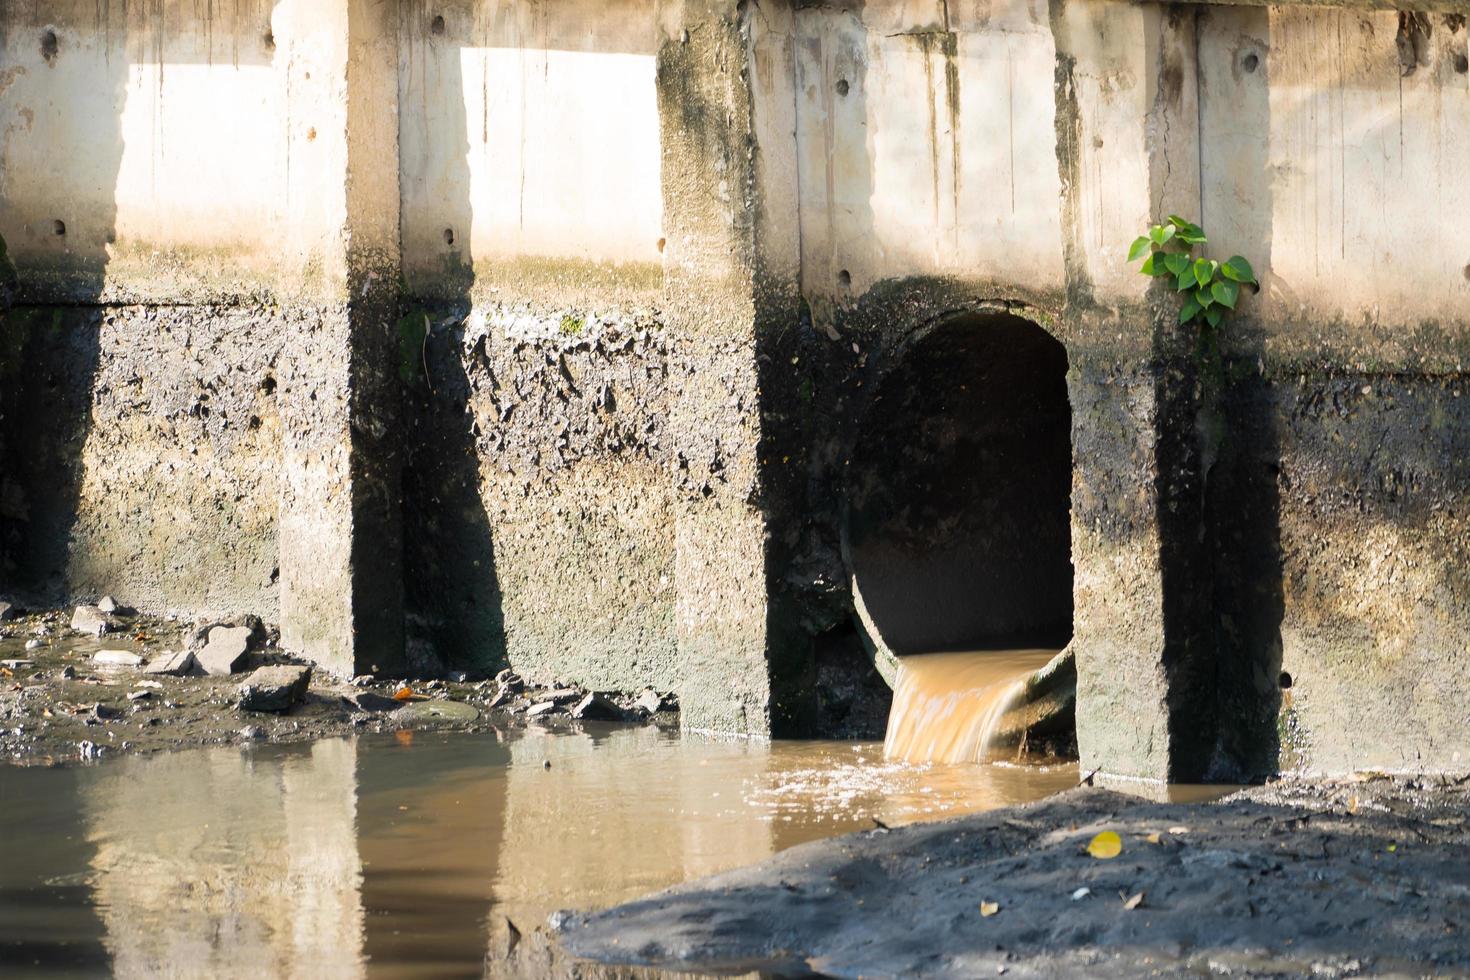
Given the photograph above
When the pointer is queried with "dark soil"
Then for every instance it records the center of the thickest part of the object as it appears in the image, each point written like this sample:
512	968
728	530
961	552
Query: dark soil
59	705
1299	878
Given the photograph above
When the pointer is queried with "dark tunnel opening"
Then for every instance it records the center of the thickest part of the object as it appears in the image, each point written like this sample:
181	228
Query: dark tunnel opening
958	526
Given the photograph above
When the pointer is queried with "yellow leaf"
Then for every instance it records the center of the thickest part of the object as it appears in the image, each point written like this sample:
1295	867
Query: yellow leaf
1134	902
1392	848
1153	838
987	909
403	693
1105	845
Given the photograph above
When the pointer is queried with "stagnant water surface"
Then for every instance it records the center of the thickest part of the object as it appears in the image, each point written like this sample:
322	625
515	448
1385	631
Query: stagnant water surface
946	705
403	855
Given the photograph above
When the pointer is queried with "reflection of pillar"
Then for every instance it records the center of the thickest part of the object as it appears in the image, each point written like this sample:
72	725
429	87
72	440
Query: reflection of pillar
223	863
341	582
615	818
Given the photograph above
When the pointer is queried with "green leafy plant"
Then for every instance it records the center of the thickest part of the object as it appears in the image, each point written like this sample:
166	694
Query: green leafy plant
1211	289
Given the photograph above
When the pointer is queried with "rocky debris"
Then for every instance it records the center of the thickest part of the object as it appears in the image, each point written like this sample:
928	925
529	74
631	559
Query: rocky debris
92	621
274	688
106	712
438	711
541	709
372	701
7	611
171	663
509	681
563	695
17	664
117	658
650	702
595	707
225	651
89	750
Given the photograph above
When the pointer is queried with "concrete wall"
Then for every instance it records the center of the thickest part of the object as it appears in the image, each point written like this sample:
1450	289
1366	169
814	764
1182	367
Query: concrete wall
611	287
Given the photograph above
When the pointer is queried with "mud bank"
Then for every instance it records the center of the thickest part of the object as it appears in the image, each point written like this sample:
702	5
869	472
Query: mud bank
1361	877
76	697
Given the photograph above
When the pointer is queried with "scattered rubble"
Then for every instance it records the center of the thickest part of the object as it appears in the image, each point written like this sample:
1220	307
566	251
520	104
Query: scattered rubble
139	686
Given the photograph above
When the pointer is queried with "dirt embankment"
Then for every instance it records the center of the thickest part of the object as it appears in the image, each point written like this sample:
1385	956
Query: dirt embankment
1300	878
71	694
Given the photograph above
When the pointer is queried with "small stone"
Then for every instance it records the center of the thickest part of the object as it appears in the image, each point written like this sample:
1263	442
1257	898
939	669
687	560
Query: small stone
458	677
362	680
251	733
510	681
117	658
563	695
273	688
139	695
541	708
91	621
595	707
68	672
226	651
171	663
106	712
153	685
650	701
34	644
89	750
17	664
372	701
7	610
107	604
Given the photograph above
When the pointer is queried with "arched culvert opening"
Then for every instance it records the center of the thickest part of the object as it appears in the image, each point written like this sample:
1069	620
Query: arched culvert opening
958	531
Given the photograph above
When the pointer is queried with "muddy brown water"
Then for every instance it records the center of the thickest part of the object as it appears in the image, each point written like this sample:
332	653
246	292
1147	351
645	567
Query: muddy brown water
946	705
404	855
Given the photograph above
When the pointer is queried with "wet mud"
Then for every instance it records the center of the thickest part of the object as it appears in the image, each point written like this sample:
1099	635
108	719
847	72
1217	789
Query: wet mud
1299	878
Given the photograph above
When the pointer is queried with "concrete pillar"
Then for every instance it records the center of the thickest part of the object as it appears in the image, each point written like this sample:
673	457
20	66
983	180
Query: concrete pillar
731	282
340	532
1127	146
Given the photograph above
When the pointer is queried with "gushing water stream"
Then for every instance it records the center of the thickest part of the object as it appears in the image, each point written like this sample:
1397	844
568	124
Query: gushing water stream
946	705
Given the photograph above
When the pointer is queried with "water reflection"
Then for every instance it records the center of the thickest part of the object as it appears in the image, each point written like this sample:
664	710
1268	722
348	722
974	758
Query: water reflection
407	857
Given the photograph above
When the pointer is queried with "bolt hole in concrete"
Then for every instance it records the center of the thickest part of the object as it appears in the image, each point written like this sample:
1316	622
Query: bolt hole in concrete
59	227
844	279
436	26
406	856
1462	64
1251	62
1284	681
50	45
958	529
448	236
269	41
842	86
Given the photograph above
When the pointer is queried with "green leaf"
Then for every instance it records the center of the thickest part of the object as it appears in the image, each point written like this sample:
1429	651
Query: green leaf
1189	232
1225	293
1185	280
1214	315
1204	271
1190	311
1138	249
1150	263
1203	298
1176	262
1238	269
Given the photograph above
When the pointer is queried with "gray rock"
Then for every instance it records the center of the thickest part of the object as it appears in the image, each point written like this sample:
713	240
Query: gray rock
17	664
173	664
117	658
439	711
563	695
252	732
543	708
7	610
34	644
510	681
68	672
139	695
650	701
226	650
595	707
107	604
273	688
91	621
372	701
106	712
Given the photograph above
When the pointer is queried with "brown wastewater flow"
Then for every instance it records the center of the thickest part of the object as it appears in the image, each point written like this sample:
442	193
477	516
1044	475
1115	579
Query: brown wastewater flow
946	706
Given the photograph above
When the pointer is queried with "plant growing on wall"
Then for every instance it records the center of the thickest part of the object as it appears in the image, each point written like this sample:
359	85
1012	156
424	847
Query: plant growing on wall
1211	289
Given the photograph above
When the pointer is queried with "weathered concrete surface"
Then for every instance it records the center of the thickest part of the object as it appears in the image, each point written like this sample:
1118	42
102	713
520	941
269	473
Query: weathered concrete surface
1293	880
657	257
